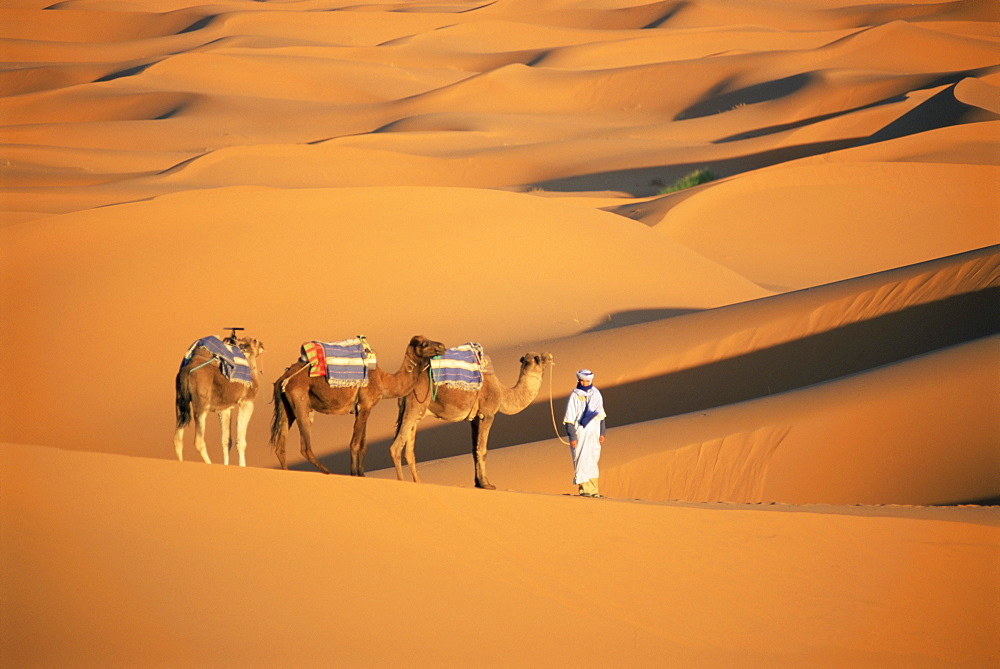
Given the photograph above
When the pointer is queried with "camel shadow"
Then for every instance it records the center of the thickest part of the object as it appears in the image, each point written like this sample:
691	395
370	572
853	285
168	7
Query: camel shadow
826	356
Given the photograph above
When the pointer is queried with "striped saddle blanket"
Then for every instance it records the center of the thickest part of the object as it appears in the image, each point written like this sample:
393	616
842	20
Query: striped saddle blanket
459	367
345	364
232	363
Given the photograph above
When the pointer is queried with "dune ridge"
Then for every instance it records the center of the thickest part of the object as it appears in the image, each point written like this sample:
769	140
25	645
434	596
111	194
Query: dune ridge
799	356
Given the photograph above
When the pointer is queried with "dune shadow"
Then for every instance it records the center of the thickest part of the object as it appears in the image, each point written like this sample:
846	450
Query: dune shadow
716	102
127	72
941	110
841	352
170	113
649	181
666	16
979	501
199	24
794	125
621	319
838	353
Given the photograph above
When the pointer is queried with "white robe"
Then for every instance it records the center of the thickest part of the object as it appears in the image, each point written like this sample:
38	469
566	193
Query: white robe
588	447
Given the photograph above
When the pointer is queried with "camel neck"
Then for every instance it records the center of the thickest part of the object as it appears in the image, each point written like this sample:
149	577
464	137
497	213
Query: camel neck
524	392
402	382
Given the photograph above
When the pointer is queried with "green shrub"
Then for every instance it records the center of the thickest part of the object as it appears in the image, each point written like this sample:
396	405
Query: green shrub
699	176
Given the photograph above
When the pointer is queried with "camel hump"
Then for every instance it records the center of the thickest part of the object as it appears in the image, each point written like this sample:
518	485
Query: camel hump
345	364
461	367
232	362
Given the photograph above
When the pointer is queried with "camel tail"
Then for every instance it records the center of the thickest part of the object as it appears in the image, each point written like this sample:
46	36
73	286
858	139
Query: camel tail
183	400
280	421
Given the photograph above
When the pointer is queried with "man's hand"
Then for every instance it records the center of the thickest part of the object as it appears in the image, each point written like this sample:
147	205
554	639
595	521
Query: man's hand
602	439
572	444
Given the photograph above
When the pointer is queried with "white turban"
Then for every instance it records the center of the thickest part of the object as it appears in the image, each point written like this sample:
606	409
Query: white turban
585	374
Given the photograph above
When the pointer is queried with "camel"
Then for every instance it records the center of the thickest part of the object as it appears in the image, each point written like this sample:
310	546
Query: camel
457	404
201	387
297	395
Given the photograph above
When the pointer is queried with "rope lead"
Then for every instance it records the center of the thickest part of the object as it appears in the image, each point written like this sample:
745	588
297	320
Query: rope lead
552	407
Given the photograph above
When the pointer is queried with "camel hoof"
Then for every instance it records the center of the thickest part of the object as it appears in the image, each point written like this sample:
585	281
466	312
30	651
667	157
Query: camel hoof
486	486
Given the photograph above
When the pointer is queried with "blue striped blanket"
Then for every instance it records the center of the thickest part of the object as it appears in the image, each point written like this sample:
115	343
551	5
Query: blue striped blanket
459	367
232	363
345	364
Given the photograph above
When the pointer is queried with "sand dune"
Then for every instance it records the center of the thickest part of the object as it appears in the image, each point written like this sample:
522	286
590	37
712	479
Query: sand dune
91	289
699	586
777	447
843	217
799	357
716	376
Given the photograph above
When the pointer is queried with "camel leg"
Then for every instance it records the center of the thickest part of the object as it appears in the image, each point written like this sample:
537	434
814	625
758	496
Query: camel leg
179	443
199	435
480	438
398	444
406	435
396	450
304	415
411	445
243	414
399	441
358	445
362	452
411	456
225	426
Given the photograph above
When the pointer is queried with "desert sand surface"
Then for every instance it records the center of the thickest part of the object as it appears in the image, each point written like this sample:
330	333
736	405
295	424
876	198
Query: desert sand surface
800	358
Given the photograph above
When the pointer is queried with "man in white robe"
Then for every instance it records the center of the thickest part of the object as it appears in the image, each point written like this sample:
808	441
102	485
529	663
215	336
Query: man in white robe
585	427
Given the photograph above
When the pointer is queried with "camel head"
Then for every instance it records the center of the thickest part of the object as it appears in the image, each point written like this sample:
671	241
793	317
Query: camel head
424	348
250	346
252	349
535	361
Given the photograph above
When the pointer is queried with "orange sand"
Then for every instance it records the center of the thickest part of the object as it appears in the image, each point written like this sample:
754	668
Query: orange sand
799	359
